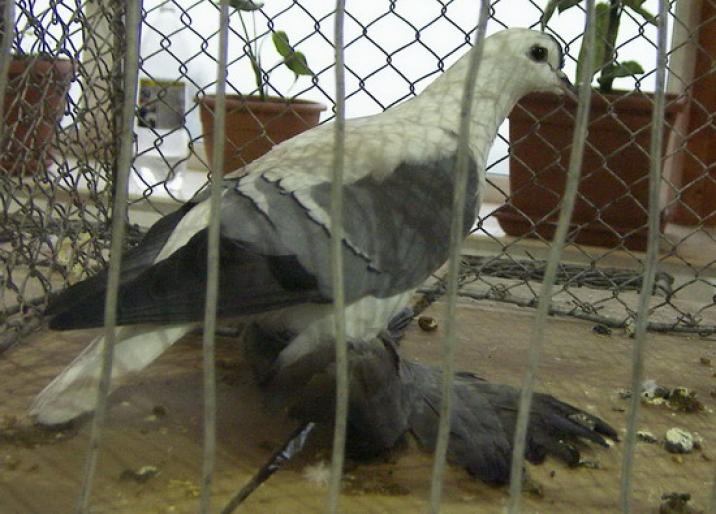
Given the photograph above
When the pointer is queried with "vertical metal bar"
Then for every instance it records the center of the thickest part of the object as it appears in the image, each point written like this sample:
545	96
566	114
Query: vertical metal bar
341	418
555	255
8	14
212	264
119	214
456	238
652	250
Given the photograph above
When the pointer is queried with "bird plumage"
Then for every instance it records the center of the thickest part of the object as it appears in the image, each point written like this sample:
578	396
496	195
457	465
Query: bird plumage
275	237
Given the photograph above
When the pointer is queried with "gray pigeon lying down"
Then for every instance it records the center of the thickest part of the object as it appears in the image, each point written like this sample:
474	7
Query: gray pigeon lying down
392	397
275	271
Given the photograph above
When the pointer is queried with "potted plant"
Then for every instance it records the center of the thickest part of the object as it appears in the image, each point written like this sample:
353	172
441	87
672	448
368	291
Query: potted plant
256	122
35	100
611	207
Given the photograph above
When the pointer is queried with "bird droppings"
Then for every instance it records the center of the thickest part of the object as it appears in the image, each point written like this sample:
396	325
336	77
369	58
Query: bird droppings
318	474
602	330
679	398
653	393
646	437
140	475
683	400
678	440
677	503
698	441
630	327
428	323
589	464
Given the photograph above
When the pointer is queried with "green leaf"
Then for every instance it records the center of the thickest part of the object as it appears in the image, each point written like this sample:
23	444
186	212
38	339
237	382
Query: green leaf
294	61
560	5
280	41
567	4
643	13
297	63
622	69
245	5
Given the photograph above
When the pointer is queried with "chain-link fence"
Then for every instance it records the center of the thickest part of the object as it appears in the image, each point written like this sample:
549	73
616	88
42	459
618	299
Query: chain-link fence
57	189
61	142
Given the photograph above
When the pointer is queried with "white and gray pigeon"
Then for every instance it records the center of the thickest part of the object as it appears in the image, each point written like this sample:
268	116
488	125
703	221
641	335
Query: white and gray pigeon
275	267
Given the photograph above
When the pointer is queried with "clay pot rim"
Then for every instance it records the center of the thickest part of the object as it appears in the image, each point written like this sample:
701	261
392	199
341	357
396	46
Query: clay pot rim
41	63
271	104
620	100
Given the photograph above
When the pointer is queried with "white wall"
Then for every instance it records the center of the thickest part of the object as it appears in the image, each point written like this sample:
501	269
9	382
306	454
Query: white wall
417	62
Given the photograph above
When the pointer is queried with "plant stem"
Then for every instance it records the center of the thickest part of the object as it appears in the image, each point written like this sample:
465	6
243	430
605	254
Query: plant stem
253	57
615	11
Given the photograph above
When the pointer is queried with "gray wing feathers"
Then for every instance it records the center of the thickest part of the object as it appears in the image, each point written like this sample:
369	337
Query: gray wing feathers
396	229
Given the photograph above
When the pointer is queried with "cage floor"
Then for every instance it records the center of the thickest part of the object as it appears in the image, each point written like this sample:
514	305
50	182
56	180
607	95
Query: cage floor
156	421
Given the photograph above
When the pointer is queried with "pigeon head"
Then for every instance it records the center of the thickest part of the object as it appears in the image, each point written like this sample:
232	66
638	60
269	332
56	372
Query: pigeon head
537	59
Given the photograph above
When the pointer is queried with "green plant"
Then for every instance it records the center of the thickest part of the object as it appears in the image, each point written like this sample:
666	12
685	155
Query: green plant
292	59
608	15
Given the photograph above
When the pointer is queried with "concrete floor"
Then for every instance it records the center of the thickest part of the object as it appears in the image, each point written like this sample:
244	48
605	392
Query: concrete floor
41	472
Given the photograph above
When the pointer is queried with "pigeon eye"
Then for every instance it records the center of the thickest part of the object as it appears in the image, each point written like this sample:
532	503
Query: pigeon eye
538	53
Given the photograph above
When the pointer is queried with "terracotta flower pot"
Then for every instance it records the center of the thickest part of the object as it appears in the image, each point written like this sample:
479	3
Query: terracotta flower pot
254	126
35	100
611	207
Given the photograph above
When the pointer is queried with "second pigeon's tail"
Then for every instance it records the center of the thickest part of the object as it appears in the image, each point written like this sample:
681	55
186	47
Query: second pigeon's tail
74	391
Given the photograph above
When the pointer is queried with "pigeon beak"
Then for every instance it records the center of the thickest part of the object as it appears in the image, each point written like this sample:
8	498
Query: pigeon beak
567	86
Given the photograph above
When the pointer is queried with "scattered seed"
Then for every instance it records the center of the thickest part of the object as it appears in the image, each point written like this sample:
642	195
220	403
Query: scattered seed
427	323
141	475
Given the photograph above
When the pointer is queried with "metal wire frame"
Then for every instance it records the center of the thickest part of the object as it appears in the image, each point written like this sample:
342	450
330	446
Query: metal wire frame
338	283
555	255
456	238
212	267
652	253
119	212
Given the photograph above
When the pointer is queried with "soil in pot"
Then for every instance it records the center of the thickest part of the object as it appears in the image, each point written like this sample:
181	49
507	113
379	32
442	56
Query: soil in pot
254	126
35	100
611	207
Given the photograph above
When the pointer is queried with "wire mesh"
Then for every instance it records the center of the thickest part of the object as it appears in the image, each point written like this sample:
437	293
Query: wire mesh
130	51
49	243
60	164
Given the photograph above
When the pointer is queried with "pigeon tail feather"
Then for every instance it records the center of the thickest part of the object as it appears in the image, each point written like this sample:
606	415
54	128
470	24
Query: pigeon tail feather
74	391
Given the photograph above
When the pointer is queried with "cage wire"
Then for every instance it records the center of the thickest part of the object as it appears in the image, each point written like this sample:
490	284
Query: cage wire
62	158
